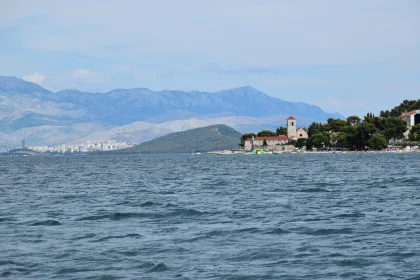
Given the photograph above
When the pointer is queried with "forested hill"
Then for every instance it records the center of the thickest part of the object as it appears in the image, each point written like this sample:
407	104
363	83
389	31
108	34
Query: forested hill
203	139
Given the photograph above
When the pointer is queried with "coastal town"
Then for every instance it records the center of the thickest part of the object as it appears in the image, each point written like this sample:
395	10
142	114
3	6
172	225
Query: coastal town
87	147
295	139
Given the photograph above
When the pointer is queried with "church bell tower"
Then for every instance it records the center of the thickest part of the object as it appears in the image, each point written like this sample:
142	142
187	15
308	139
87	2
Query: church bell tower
291	128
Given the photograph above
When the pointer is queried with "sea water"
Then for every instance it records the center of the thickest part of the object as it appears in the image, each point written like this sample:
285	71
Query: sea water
297	216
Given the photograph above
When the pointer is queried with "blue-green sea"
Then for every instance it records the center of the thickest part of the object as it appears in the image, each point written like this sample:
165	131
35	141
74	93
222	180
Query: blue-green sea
182	216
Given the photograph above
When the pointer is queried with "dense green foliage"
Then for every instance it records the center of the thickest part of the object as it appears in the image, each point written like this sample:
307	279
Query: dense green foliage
405	106
281	131
204	139
266	133
301	142
377	142
414	134
373	132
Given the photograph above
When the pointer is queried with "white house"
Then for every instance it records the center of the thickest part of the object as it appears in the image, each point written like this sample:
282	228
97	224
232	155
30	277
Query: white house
412	118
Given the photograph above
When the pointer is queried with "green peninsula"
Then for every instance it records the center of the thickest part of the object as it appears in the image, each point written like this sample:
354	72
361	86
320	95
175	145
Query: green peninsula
203	139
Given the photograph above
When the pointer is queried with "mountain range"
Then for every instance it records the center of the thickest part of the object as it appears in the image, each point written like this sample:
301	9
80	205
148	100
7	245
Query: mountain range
42	117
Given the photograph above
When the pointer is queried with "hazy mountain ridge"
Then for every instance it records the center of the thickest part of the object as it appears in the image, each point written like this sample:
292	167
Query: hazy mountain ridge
28	105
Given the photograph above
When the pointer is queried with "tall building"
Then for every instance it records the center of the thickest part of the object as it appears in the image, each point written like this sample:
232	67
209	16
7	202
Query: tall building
291	127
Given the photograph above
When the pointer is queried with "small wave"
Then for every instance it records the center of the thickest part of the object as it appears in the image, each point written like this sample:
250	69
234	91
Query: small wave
160	267
251	229
277	231
104	277
168	205
313	190
186	213
316	219
72	270
6	274
351	215
401	255
114	216
354	262
147	204
46	223
6	262
145	265
5	220
89	235
320	232
132	235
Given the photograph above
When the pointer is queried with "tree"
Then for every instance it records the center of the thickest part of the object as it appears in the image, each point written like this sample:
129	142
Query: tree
377	142
342	140
394	128
353	120
319	139
314	128
292	142
364	131
300	142
244	137
414	134
265	142
336	125
264	133
281	131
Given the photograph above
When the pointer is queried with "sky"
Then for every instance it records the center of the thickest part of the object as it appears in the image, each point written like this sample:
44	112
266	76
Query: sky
351	57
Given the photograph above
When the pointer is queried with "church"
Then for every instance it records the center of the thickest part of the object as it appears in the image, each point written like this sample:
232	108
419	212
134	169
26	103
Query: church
295	133
274	142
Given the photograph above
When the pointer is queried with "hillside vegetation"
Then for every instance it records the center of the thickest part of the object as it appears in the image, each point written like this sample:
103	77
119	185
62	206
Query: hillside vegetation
204	139
405	106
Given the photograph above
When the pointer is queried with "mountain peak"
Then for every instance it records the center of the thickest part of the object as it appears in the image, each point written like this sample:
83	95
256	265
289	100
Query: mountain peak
243	92
11	84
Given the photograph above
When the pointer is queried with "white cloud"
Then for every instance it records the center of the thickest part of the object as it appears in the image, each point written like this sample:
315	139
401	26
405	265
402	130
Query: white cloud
84	74
335	103
36	78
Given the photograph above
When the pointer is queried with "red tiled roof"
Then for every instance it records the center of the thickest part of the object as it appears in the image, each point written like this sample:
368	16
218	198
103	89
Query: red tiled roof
291	118
409	113
270	138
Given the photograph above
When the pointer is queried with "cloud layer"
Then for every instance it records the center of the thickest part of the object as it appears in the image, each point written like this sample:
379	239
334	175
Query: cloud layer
295	50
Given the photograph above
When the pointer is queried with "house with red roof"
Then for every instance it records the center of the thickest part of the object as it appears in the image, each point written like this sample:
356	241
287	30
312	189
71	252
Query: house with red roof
258	142
412	118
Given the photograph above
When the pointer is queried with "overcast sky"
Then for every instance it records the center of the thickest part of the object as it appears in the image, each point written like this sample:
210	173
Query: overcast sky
350	57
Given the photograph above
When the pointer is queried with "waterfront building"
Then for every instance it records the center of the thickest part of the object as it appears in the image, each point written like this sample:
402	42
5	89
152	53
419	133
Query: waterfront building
412	118
295	133
272	142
